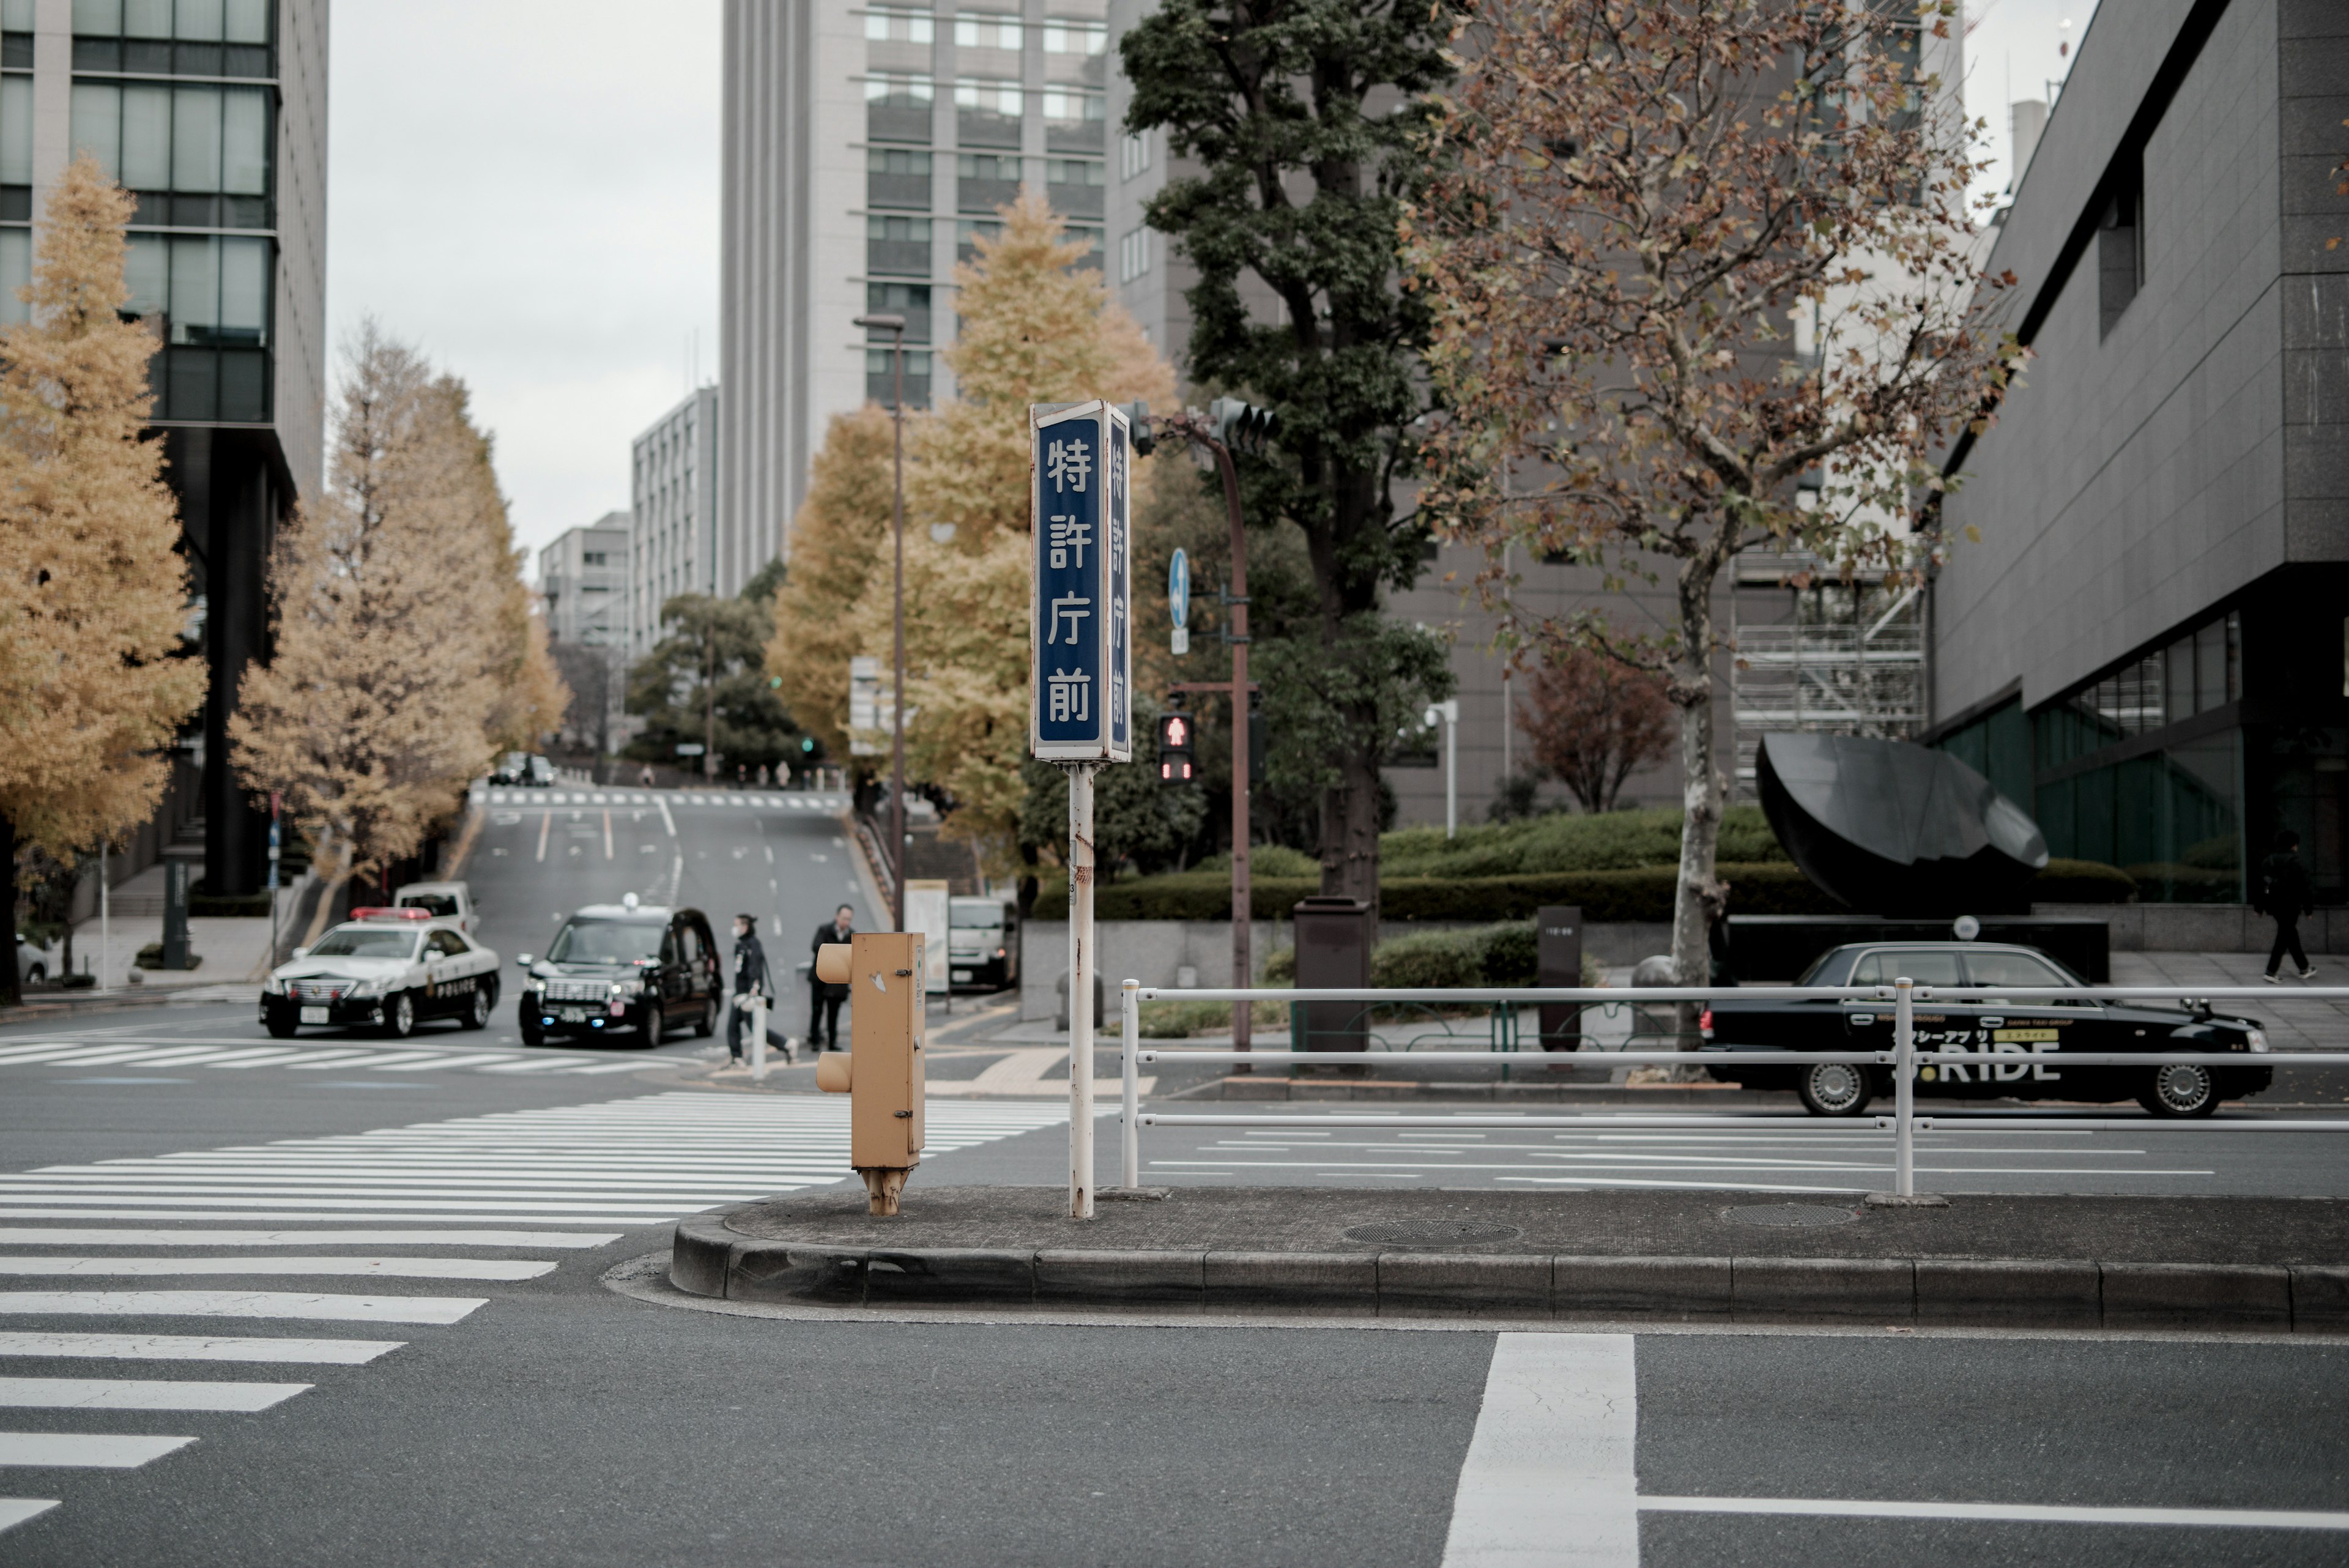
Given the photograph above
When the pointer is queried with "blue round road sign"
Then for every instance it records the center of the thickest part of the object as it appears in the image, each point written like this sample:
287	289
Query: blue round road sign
1178	589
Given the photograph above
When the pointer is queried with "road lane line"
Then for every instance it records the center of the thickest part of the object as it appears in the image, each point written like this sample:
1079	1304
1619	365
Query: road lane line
536	1065
85	1450
471	1059
141	1394
62	1236
607	833
441	1310
667	820
376	1268
310	1217
1550	1477
197	1347
261	1059
14	1510
320	1061
2017	1513
545	825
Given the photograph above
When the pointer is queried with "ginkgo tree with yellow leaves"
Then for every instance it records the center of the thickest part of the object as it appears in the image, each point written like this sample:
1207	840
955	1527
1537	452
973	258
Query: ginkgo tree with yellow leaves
1030	328
95	674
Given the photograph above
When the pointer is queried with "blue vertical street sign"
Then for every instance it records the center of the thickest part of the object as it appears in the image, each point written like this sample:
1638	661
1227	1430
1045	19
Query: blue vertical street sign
1081	615
1178	589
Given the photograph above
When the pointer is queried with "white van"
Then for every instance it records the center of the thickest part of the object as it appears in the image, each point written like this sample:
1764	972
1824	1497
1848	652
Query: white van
442	900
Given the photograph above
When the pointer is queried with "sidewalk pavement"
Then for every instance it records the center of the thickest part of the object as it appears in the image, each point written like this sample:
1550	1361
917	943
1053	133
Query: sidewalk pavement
234	950
2292	1025
2013	1261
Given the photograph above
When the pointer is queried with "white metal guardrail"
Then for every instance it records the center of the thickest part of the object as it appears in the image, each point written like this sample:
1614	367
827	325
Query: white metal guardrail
1904	1059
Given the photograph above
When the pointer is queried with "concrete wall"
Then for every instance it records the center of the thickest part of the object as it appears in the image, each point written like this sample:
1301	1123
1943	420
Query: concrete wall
2205	927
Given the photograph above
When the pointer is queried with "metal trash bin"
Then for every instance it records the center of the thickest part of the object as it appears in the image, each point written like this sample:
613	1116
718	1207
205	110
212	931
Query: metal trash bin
1334	937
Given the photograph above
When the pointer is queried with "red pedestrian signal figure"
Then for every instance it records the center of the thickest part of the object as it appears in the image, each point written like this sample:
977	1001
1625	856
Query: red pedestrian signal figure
1174	752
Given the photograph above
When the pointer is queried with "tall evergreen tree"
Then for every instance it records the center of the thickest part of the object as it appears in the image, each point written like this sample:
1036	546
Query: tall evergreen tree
1310	123
93	595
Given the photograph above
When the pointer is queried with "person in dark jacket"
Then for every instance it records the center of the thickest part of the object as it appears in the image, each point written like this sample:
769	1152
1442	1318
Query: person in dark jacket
823	1000
750	978
2285	896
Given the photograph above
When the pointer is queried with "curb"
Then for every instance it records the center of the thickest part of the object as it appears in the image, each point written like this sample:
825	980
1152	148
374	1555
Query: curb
707	1259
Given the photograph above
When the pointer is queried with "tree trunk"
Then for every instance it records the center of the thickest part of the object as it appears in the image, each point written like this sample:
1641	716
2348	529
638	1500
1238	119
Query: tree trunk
1350	834
12	983
1699	897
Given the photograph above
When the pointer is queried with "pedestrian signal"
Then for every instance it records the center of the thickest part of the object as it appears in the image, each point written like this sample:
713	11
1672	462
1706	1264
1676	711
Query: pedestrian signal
1175	751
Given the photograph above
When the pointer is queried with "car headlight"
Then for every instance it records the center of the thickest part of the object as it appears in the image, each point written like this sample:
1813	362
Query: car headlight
368	988
273	986
2256	1038
628	987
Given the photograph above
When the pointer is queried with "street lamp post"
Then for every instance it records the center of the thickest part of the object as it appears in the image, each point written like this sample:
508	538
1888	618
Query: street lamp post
895	325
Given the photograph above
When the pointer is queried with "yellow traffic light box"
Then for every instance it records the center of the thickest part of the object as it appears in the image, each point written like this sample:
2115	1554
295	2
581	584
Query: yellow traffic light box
881	1073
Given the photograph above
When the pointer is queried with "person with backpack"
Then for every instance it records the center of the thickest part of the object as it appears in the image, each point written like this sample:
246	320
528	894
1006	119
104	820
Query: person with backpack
2284	897
751	979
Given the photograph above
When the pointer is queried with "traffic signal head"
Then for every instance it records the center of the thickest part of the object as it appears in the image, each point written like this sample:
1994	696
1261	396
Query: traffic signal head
1137	415
1175	748
1242	427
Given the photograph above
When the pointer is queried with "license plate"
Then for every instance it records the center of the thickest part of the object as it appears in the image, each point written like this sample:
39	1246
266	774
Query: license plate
314	1015
962	974
575	1015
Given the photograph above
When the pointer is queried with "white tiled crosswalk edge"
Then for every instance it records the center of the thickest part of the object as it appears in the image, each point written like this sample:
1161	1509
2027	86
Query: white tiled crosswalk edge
378	1267
197	1347
141	1394
239	1304
85	1450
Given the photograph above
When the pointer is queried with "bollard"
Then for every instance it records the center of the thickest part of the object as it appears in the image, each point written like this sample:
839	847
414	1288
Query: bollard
1904	1091
758	1038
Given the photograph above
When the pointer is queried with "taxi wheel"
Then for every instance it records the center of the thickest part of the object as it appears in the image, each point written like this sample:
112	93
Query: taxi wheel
399	1016
1833	1089
2180	1089
656	1025
477	1013
707	1024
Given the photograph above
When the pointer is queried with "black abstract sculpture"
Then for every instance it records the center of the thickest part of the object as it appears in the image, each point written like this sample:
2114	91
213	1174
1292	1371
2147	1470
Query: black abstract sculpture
1893	828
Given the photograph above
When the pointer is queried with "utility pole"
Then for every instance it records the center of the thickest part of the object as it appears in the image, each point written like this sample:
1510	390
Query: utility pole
896	325
710	695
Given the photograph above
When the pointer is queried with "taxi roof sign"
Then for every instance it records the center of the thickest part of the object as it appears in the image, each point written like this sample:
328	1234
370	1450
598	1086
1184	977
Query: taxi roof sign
374	912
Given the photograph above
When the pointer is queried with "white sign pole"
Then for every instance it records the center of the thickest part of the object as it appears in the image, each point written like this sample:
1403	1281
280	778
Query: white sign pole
1081	963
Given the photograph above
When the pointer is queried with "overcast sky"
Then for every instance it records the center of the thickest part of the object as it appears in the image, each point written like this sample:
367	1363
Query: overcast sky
528	190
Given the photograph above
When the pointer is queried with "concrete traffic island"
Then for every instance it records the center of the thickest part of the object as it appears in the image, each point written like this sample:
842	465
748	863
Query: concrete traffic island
2272	1264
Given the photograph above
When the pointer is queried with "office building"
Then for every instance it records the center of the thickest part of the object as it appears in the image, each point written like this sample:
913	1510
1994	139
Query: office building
674	546
866	150
2146	644
583	577
214	114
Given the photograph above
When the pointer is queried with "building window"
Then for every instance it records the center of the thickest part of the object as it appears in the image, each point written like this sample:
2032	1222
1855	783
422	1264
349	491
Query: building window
1133	255
968	231
976	30
1090	237
910	300
897	244
593	558
897	107
881	376
16	272
212	293
2120	246
987	113
884	26
986	180
197	157
173	37
897	177
1074	186
1132	154
1063	38
1073	120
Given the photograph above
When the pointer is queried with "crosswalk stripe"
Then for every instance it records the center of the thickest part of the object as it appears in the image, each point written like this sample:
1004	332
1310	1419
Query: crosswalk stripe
614	1068
604	1212
379	1267
240	1303
537	1064
319	1060
14	1510
434	1063
278	1058
197	1347
140	1394
627	1221
85	1450
41	1235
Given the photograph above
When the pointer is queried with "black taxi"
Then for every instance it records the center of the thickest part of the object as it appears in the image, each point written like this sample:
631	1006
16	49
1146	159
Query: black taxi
2021	1041
633	969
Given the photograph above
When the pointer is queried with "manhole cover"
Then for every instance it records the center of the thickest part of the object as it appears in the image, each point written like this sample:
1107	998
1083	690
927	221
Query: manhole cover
1788	1214
1432	1234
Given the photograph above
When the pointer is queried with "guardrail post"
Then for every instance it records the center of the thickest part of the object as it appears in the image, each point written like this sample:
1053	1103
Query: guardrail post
1130	1023
1904	1093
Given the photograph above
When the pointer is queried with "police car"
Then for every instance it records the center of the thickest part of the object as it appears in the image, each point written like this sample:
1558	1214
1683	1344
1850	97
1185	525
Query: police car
2018	1041
384	968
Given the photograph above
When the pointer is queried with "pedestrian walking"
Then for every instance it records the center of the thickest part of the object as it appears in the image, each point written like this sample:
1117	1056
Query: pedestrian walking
751	979
2283	894
823	1000
646	777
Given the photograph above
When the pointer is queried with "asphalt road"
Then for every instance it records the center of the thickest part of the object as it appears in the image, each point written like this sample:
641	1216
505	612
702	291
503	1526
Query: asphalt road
346	1305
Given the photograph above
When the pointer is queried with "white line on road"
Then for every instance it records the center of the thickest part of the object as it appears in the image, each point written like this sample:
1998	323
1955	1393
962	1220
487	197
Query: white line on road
197	1347
1549	1475
667	820
35	1236
545	825
2018	1512
303	1216
382	1268
433	1063
85	1450
14	1510
441	1310
140	1394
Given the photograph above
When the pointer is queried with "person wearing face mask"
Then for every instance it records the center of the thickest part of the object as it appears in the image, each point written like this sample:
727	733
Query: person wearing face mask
751	979
823	1000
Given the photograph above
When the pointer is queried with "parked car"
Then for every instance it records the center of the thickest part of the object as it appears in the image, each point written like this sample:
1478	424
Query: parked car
2021	1041
982	944
32	960
538	772
626	968
512	768
442	900
385	968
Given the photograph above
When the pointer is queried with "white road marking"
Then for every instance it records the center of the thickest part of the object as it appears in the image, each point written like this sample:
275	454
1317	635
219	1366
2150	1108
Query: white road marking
2017	1512
667	820
14	1510
196	1347
85	1450
379	1268
1549	1477
40	1236
241	1303
140	1394
431	1064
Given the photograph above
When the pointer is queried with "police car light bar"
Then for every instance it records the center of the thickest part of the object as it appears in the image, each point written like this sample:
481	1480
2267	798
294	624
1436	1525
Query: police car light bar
381	914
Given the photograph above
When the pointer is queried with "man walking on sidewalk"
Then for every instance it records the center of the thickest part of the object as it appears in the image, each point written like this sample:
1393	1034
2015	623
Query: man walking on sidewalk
823	1000
2284	894
750	978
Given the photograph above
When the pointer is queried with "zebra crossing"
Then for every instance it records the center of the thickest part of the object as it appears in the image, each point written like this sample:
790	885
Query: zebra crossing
826	805
236	1055
270	1234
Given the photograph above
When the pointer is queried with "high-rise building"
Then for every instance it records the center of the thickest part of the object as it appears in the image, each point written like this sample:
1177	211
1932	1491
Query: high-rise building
674	546
583	577
214	114
866	148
